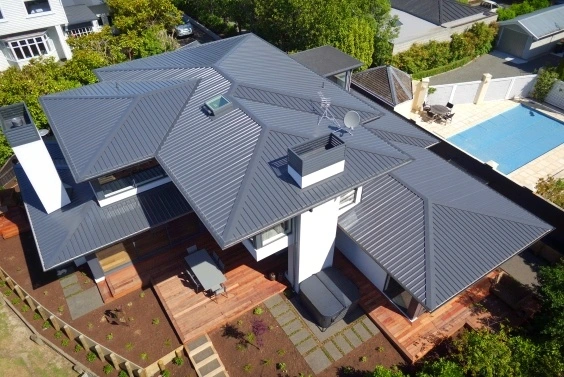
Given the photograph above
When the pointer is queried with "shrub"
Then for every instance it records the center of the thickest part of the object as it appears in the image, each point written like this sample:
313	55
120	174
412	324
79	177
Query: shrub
122	373
58	334
78	348
108	368
551	189
144	356
248	368
258	310
178	361
25	308
8	293
545	79
36	316
16	301
110	336
165	373
129	346
46	325
281	367
156	321
65	342
518	9
91	357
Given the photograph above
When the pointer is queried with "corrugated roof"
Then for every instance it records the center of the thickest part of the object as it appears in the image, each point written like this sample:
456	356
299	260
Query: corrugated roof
326	60
541	23
77	14
386	83
437	11
445	228
83	226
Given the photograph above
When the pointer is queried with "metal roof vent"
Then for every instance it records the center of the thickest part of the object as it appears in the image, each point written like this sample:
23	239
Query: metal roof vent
217	106
316	159
17	121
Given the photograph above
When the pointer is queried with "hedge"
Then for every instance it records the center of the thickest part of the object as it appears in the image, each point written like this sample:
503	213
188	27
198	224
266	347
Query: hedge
442	69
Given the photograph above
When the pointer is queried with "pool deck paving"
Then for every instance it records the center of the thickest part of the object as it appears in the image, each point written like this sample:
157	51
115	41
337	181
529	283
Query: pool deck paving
469	115
320	348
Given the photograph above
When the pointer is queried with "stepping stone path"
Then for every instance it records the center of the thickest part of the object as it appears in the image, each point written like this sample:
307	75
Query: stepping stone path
204	358
78	300
319	353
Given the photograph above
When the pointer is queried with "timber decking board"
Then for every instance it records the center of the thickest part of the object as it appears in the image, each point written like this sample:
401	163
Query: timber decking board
195	314
415	339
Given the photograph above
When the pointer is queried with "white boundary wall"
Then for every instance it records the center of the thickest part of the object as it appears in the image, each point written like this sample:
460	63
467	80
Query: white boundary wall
498	89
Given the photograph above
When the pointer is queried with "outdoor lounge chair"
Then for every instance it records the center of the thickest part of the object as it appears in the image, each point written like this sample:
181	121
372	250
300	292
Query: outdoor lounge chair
192	249
221	288
448	117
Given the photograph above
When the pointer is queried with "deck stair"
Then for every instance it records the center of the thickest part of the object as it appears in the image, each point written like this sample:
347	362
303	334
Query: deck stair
204	358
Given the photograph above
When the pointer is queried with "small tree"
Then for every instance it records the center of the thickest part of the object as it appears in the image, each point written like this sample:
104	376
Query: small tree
551	189
545	80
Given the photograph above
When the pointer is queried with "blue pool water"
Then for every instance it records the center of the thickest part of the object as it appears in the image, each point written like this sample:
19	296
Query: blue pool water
512	138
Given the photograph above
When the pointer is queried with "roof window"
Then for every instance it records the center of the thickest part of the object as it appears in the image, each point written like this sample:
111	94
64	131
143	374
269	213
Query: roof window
217	106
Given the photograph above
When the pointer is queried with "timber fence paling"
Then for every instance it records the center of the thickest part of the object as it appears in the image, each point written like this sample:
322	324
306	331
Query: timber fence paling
88	344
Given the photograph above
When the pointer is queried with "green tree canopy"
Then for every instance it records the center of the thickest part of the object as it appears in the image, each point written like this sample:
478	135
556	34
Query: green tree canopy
551	189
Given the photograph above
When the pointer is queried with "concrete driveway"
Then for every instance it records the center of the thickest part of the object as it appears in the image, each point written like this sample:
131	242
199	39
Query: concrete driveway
498	64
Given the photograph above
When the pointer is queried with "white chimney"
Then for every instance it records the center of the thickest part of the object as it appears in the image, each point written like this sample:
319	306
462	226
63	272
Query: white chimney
32	154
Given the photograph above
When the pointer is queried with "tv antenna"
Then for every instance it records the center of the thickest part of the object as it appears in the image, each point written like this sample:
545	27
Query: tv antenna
325	106
351	120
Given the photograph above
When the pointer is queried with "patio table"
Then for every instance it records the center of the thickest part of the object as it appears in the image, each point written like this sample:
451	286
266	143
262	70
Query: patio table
206	271
440	110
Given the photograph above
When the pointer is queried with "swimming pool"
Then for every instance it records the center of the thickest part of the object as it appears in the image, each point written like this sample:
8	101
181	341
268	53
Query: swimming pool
512	139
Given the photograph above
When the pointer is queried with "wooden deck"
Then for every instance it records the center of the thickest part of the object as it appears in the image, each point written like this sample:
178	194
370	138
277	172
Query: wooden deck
247	286
415	339
13	222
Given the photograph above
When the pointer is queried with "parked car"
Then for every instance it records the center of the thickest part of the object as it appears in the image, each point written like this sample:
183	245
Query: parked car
492	6
185	28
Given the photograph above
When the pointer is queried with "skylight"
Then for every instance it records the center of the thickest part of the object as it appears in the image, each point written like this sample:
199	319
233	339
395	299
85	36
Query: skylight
217	105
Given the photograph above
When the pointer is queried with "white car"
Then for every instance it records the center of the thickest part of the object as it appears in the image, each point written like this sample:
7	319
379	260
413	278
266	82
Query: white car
184	29
491	5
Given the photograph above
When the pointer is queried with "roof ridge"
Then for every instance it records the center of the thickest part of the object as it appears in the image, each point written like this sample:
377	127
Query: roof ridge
125	115
390	77
486	213
242	193
429	254
242	38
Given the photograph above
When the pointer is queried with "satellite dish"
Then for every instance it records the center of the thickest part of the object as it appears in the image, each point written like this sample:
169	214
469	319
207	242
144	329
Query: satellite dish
351	120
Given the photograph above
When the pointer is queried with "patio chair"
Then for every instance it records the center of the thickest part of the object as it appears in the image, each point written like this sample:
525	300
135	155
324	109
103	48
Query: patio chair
220	265
448	117
426	107
221	288
192	249
192	279
449	105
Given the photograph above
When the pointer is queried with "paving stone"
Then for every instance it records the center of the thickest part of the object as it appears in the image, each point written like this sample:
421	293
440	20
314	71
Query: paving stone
361	331
352	337
317	360
299	336
280	309
286	317
291	327
209	367
202	355
306	346
84	302
68	280
342	343
197	342
370	326
273	301
72	289
333	351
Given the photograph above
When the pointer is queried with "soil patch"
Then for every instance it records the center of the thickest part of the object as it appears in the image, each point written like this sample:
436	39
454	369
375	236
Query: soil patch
269	354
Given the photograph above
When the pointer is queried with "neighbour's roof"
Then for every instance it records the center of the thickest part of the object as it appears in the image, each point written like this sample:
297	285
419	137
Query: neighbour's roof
77	14
437	11
541	23
326	60
83	226
435	229
230	168
387	83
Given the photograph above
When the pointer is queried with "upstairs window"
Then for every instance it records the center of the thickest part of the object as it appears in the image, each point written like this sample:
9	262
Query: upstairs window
1	16
30	47
272	234
348	198
37	6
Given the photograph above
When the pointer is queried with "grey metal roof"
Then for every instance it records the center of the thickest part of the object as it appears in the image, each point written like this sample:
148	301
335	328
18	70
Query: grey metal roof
541	23
387	83
215	162
77	14
435	229
437	11
17	135
326	60
83	226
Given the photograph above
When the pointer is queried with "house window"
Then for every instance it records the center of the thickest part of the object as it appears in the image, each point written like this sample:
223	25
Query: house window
37	6
348	198
30	47
272	234
1	16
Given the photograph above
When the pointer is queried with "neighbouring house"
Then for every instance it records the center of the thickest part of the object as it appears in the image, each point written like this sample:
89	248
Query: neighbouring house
33	28
329	62
233	133
421	21
85	16
533	34
388	84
